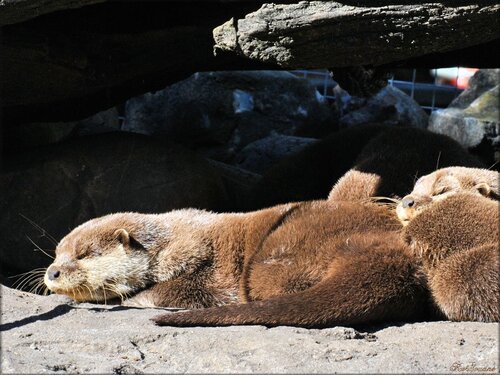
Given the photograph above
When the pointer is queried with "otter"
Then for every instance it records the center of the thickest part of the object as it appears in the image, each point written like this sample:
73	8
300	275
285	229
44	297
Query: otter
393	156
444	182
449	249
457	239
197	259
310	264
358	185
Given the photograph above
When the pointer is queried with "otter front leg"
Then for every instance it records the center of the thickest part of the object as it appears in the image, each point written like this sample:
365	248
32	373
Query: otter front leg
465	285
355	186
180	293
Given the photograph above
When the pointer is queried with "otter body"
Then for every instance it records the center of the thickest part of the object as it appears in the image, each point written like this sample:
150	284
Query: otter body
309	264
192	258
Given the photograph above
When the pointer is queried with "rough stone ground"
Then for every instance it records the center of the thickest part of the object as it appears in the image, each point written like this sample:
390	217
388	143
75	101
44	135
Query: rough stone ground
53	335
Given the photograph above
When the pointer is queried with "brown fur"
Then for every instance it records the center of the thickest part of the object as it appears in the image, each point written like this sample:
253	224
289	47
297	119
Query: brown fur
445	182
327	263
452	245
197	259
457	239
310	264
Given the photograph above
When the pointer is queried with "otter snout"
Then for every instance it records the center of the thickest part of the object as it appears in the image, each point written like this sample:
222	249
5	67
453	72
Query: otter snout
409	206
53	272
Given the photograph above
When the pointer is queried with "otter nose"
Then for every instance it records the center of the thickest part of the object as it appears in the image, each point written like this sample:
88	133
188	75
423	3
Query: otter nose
53	273
408	202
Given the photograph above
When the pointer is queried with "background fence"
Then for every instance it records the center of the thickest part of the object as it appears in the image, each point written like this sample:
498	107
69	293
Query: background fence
431	88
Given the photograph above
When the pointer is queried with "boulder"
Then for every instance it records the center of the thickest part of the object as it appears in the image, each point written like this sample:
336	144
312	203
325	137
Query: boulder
474	122
42	133
260	155
482	81
389	106
51	190
228	109
54	335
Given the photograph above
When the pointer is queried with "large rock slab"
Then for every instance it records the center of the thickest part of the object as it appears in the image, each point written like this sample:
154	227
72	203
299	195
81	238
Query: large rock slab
58	188
335	34
53	335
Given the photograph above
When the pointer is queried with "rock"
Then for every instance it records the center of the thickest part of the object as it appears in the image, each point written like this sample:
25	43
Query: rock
53	335
237	181
60	187
482	81
42	133
229	109
309	34
102	122
398	155
476	126
258	156
390	106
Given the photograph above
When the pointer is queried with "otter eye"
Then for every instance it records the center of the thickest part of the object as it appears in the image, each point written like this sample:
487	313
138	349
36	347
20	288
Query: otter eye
80	256
442	190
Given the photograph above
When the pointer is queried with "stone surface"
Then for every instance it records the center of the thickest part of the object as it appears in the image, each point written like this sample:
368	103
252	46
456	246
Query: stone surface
398	155
389	106
260	155
60	187
14	11
336	34
42	133
482	81
474	121
228	109
53	335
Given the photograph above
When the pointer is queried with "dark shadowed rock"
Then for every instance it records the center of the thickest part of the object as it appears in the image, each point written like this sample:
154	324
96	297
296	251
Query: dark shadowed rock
390	106
60	187
482	81
260	155
42	133
399	155
229	109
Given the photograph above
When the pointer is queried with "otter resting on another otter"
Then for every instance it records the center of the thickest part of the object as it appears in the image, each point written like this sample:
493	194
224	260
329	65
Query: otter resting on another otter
310	264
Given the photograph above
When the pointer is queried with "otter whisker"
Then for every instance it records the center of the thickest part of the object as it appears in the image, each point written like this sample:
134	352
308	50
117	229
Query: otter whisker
437	163
20	284
104	291
90	292
33	283
25	273
39	248
42	231
37	285
495	163
26	277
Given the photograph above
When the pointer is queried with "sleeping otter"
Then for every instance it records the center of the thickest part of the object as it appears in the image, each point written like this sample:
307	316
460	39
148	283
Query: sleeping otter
446	181
394	156
450	248
310	264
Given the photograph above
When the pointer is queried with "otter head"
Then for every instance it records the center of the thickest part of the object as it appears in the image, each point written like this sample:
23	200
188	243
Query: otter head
98	261
444	182
457	223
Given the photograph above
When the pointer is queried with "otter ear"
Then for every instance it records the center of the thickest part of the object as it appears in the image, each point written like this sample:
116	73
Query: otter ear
122	236
483	188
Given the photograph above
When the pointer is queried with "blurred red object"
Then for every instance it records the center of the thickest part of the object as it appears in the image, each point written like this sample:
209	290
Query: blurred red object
458	76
